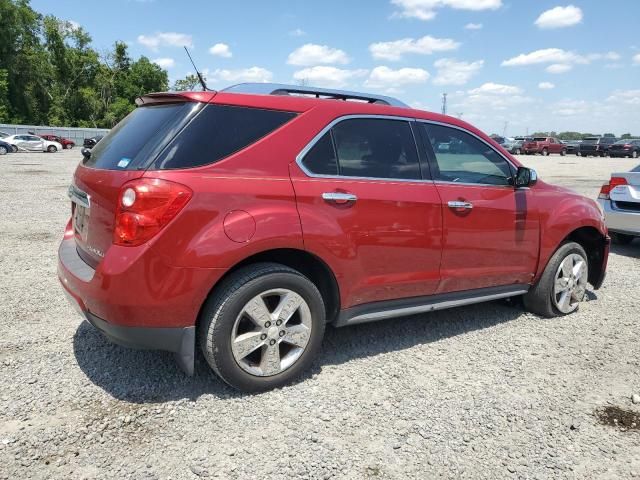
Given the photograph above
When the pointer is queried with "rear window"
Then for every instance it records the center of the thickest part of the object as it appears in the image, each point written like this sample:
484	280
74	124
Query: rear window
217	132
140	136
540	139
590	141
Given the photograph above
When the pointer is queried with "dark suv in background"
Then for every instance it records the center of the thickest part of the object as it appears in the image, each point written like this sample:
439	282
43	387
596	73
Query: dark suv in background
596	146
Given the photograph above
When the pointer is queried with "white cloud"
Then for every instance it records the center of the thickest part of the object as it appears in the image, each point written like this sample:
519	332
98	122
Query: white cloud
221	50
312	54
546	86
426	9
452	72
560	17
496	89
165	39
253	74
165	62
325	76
298	32
473	26
558	68
546	55
636	59
385	77
627	97
422	46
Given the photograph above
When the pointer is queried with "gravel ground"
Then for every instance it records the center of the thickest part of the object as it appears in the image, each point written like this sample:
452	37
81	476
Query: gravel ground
486	391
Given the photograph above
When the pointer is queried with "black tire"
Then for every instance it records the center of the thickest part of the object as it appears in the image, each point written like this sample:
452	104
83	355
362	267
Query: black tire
538	299
217	319
634	154
518	151
52	149
545	152
69	146
3	150
14	148
621	238
563	153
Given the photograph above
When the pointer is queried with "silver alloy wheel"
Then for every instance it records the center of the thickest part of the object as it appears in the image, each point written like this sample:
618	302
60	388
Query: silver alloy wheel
570	283
271	332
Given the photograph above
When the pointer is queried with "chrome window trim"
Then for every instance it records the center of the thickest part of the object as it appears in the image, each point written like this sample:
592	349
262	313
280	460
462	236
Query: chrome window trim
333	123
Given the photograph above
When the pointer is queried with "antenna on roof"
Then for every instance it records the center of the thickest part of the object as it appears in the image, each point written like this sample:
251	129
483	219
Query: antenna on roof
202	82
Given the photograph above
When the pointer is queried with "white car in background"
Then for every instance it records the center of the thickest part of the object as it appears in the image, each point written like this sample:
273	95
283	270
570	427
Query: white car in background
32	143
620	202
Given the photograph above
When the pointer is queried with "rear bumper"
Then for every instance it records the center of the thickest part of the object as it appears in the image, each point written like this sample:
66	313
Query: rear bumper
620	221
136	299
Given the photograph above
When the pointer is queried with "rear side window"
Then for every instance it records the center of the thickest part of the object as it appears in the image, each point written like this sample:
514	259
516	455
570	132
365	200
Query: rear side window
217	132
366	147
132	142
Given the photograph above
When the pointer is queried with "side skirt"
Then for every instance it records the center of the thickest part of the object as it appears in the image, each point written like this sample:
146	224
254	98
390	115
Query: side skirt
371	312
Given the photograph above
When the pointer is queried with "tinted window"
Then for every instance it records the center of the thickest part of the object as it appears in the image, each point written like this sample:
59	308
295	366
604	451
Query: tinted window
321	159
217	132
461	157
376	148
131	143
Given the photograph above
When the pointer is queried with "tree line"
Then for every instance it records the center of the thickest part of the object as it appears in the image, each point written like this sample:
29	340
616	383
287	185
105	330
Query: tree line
51	75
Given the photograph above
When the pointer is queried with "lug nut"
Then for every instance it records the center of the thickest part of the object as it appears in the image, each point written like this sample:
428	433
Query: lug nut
267	325
279	322
272	342
282	333
263	336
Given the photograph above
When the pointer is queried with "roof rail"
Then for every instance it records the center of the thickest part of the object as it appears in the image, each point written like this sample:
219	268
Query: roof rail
282	89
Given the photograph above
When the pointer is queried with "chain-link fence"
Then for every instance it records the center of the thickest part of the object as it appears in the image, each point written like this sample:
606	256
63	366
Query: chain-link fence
77	135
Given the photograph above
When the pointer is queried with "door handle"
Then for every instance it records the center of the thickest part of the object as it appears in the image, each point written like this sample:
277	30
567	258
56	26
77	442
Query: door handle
339	197
457	204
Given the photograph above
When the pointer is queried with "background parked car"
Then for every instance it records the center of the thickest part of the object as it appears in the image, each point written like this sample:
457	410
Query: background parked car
625	148
32	143
620	202
65	142
91	142
596	146
515	146
544	146
5	148
572	146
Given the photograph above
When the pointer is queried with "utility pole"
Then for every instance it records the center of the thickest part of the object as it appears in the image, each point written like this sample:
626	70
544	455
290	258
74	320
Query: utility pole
504	131
444	103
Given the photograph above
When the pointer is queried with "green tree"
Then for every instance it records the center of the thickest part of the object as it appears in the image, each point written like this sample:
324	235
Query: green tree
186	84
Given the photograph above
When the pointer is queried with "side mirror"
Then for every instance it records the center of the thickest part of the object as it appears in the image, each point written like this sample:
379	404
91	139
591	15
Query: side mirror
526	177
86	153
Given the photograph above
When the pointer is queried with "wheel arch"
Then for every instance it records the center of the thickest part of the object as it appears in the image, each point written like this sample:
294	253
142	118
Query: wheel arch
310	265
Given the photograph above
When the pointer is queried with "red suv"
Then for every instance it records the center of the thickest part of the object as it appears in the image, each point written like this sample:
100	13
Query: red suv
544	146
243	221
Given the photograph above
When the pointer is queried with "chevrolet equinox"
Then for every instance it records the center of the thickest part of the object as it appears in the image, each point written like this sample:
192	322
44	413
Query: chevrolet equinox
244	221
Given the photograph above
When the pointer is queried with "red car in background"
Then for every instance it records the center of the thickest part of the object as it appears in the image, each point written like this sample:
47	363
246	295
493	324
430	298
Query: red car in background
244	221
65	142
544	146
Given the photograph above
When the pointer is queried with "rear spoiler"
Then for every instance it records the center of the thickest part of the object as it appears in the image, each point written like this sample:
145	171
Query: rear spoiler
175	97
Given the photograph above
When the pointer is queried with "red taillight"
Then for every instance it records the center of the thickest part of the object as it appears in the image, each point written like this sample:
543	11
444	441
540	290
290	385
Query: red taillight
607	187
145	206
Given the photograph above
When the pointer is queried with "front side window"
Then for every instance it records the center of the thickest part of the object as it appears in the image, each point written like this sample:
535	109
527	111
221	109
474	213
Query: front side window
461	157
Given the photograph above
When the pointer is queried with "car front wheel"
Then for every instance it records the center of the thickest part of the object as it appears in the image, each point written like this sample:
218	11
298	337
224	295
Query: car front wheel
563	284
3	150
262	327
14	148
52	149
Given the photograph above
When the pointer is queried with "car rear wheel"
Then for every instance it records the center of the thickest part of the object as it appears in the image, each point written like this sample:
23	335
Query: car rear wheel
634	154
518	151
563	153
262	327
69	146
14	148
3	150
621	238
52	149
545	152
563	284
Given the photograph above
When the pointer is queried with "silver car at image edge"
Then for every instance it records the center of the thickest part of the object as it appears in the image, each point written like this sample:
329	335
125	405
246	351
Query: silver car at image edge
620	202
